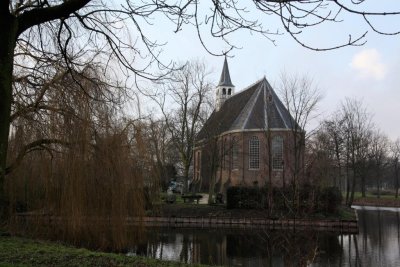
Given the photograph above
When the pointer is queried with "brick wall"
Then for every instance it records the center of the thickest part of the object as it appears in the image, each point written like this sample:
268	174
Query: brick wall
231	170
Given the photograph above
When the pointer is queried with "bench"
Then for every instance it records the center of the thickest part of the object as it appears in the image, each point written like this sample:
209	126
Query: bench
191	198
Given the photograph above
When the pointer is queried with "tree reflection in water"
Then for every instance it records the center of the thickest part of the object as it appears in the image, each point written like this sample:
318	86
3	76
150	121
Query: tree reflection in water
377	244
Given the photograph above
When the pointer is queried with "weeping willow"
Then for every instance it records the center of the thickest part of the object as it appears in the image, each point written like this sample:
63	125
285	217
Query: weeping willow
77	169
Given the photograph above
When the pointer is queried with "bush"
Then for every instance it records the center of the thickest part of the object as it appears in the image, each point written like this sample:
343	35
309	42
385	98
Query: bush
238	197
311	198
282	198
330	199
308	197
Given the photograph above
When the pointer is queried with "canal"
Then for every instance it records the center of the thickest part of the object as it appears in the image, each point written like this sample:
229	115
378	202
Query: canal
377	244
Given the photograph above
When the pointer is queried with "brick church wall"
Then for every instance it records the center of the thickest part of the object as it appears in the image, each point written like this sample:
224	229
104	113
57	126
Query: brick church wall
226	173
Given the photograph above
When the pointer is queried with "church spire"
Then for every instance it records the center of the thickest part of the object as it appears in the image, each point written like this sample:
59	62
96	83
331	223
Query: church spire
225	79
225	88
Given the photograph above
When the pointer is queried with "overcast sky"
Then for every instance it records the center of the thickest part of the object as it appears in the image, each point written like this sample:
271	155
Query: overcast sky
370	72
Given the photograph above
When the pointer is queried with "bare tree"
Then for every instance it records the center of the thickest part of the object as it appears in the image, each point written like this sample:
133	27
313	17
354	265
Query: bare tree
79	161
395	149
164	151
334	129
378	154
300	96
320	156
357	128
183	102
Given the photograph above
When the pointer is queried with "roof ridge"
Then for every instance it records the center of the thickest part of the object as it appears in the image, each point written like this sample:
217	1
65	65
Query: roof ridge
250	105
244	113
244	90
250	86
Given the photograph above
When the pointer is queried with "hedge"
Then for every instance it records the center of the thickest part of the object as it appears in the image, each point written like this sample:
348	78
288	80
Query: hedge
310	197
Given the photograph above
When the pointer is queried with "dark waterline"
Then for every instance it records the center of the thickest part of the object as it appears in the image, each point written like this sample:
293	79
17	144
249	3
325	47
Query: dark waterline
377	244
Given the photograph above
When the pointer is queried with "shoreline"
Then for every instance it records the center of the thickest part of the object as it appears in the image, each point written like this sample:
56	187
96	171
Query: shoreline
330	225
19	251
199	216
376	202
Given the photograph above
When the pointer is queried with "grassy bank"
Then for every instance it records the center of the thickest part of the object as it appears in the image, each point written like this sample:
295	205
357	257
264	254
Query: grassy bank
15	251
386	200
384	195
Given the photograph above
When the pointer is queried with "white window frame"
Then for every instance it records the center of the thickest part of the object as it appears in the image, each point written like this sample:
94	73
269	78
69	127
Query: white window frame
277	153
235	153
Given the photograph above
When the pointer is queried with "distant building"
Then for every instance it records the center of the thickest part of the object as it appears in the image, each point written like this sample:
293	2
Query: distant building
233	146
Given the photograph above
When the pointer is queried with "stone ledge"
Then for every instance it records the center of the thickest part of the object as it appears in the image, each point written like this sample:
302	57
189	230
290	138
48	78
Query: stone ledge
343	226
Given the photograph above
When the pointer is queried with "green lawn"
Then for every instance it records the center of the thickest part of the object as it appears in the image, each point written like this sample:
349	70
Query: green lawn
15	251
344	213
370	195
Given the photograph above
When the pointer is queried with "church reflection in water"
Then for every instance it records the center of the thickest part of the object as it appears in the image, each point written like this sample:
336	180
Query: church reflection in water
377	244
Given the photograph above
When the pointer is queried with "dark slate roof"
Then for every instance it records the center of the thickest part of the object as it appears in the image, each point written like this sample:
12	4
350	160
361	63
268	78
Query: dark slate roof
256	107
225	79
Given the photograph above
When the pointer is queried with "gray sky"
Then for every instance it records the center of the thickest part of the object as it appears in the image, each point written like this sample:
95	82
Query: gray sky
369	73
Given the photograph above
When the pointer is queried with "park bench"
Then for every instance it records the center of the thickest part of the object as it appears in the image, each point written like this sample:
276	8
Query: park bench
191	198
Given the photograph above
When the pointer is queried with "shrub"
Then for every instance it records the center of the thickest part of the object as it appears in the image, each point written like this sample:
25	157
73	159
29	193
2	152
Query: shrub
330	199
310	198
238	197
282	197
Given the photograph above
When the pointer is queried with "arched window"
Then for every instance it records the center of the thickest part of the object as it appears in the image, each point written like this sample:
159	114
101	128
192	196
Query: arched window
277	153
229	91
254	153
235	153
224	91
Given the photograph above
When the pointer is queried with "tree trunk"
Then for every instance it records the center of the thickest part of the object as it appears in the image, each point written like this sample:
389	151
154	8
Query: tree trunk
396	178
347	184
378	174
363	185
186	178
353	186
214	159
8	33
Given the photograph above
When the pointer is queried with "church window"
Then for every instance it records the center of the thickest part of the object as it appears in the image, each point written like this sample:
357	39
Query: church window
235	153
277	153
229	91
254	153
224	91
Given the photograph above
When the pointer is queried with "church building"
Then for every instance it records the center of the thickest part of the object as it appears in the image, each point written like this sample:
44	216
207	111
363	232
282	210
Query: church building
248	140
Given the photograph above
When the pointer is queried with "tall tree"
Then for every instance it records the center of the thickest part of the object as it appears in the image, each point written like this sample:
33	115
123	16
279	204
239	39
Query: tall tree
164	151
183	102
395	149
334	129
301	97
74	159
357	127
378	154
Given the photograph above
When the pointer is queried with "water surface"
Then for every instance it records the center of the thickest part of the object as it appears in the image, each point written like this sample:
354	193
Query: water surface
377	244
